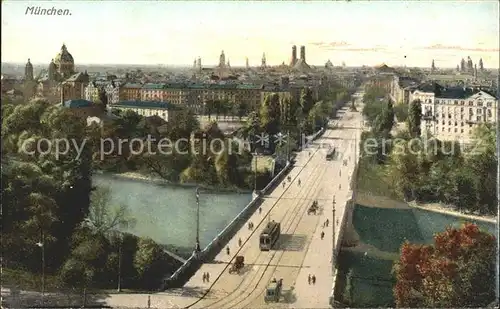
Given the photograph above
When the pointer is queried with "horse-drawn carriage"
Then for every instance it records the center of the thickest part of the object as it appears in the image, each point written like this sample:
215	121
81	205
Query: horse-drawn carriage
238	264
313	208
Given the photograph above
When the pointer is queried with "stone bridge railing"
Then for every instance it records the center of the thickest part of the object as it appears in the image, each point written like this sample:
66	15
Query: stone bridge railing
189	268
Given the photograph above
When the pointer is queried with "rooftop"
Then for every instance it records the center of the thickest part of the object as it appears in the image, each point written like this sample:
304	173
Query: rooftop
146	105
79	103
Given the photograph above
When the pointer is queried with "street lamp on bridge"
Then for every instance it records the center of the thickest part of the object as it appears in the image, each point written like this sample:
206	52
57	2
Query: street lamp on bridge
197	248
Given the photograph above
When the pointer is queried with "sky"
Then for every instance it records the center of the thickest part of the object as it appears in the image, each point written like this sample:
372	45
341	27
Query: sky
398	33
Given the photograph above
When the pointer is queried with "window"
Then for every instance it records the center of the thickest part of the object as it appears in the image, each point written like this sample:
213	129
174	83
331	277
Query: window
479	111
489	113
488	104
478	118
461	130
456	102
456	124
461	109
449	123
462	102
471	111
456	130
471	103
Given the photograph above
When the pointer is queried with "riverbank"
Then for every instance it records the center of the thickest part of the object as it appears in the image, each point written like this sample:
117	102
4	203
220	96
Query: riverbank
159	181
370	200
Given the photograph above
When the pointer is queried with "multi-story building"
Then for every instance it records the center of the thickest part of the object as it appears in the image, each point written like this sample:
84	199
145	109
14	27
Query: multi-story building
74	87
131	92
112	90
401	89
92	92
163	110
452	113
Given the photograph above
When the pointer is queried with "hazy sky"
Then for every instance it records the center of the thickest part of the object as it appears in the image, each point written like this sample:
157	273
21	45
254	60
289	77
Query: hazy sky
357	32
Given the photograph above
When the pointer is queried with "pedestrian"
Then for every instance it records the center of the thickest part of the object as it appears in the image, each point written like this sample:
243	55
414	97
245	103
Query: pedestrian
337	221
327	222
313	279
309	279
239	242
283	185
208	277
204	277
149	301
322	235
227	250
260	208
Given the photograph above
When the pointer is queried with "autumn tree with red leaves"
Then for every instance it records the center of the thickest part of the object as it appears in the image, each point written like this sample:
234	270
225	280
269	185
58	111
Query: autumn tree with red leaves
458	270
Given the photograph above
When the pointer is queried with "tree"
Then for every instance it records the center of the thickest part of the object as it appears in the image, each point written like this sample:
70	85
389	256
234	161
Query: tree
458	270
242	109
148	262
306	100
414	118
482	162
103	218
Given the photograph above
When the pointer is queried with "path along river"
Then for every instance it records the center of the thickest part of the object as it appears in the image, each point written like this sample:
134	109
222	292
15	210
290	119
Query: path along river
167	213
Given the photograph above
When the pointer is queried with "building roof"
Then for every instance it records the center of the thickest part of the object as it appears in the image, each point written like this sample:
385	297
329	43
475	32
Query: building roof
250	86
132	85
455	93
146	105
153	86
78	77
79	103
175	85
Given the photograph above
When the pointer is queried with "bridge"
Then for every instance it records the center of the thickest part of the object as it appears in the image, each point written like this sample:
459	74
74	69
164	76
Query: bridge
300	250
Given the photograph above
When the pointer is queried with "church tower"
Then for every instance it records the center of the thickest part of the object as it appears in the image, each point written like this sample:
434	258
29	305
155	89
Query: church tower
246	63
263	64
294	56
303	53
28	71
222	60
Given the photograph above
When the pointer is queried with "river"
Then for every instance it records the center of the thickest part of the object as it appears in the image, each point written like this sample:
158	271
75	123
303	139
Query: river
167	213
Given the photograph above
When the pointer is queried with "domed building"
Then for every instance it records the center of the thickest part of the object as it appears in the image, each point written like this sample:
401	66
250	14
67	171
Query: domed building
61	79
64	62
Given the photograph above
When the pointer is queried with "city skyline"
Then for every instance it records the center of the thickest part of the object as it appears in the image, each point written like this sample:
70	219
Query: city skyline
175	33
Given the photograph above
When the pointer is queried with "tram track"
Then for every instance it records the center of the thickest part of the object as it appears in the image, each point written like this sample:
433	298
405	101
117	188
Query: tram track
297	268
264	257
275	257
299	209
261	254
256	291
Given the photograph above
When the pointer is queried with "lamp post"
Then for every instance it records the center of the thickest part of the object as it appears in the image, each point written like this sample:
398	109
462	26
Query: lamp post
119	288
42	246
198	248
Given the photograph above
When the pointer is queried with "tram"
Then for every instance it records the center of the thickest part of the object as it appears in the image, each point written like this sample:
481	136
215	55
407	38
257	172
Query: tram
331	154
269	235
